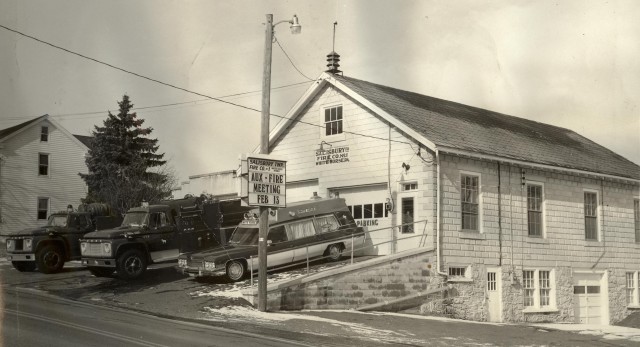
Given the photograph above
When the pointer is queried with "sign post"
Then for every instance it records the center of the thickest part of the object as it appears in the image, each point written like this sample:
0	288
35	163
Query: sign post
263	184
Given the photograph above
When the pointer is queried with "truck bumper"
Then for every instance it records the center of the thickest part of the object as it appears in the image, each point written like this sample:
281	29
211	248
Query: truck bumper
21	257
99	262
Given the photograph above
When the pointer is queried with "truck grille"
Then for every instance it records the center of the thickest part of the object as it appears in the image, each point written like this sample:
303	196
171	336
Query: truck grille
94	249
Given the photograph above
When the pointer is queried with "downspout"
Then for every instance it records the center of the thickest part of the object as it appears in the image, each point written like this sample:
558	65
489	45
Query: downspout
500	214
438	211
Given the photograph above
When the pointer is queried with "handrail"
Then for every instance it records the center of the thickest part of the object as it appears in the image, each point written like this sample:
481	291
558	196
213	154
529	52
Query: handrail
353	250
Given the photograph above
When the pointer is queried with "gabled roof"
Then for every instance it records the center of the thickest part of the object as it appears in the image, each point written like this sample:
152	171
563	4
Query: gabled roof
456	126
8	131
86	140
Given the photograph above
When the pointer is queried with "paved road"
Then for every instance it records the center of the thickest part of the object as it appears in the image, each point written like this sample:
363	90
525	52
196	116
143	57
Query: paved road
36	320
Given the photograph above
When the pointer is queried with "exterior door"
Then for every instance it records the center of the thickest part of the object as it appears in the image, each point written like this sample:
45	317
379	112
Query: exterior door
587	298
494	288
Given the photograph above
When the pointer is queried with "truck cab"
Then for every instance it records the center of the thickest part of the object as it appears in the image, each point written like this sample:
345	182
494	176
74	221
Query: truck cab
47	248
148	234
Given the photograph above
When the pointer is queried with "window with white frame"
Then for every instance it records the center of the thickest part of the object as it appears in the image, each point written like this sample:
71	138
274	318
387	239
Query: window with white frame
633	288
539	289
44	134
534	209
591	216
469	197
366	211
457	272
43	208
333	120
409	186
636	218
43	164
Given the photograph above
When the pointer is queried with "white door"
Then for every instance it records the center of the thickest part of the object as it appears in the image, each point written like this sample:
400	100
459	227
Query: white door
587	298
494	288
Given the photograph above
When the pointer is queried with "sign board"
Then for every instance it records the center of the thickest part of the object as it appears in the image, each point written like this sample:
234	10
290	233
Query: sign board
335	155
266	180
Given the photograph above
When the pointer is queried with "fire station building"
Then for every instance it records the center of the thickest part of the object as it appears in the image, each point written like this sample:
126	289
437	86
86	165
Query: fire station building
533	221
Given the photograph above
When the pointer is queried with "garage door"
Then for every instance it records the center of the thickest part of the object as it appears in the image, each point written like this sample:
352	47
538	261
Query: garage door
300	191
369	209
587	298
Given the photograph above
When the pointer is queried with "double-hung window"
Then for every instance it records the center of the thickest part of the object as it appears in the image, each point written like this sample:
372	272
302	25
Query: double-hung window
539	289
534	210
43	208
469	191
43	164
44	134
633	288
333	120
591	216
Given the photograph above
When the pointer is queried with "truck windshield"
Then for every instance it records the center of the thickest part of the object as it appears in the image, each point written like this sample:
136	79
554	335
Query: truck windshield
57	220
135	219
244	236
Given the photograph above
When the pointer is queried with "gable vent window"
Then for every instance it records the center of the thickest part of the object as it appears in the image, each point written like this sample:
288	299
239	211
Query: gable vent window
333	120
44	134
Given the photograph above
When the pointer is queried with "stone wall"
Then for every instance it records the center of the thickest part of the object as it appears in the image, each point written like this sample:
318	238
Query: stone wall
373	281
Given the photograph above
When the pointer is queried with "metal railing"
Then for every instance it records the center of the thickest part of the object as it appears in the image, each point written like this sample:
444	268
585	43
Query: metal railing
353	250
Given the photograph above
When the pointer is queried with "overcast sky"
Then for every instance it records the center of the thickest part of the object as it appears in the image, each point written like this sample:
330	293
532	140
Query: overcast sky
573	64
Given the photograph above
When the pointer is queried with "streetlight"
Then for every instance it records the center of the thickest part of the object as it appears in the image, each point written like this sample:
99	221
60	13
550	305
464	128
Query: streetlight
264	149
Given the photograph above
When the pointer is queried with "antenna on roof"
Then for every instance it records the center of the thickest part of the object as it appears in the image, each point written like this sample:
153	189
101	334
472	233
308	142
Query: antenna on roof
333	58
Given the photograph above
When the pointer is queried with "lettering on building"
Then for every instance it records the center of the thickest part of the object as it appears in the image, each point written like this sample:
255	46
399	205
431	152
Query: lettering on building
333	155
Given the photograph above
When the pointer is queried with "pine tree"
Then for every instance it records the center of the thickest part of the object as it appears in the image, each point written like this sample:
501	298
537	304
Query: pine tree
124	166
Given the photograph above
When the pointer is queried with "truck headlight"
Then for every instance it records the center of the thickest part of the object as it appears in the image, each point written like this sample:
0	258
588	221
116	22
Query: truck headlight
182	262
209	265
106	248
28	243
11	245
83	248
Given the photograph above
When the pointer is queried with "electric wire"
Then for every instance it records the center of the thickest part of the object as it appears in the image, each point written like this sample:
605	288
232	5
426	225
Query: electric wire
290	61
184	89
129	72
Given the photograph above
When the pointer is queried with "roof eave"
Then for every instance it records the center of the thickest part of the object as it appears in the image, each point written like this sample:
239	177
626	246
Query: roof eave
483	156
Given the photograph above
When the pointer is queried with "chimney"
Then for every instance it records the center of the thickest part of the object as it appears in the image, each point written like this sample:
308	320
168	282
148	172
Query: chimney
333	60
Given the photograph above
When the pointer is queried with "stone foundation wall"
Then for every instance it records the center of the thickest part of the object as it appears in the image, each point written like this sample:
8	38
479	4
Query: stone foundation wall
373	281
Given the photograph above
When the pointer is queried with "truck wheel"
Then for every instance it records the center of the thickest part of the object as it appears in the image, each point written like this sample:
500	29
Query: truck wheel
24	266
236	270
131	264
101	271
334	252
50	259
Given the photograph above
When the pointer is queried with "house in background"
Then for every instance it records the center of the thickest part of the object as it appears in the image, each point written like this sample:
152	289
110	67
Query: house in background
39	165
221	185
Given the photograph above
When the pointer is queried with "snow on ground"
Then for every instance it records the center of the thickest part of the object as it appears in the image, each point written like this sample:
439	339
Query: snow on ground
233	290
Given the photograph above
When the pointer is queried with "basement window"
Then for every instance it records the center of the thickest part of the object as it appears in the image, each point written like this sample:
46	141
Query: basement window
459	274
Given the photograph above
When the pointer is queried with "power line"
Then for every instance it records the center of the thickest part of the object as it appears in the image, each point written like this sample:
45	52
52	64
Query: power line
187	90
100	113
129	72
292	64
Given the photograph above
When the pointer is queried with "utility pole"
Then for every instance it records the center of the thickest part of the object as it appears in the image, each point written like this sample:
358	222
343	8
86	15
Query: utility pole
264	149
